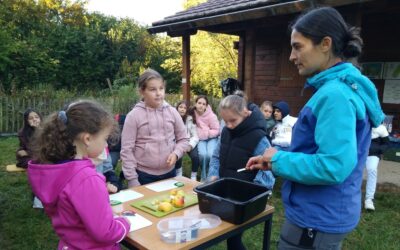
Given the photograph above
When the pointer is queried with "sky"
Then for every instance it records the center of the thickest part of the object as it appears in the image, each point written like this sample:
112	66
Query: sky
143	11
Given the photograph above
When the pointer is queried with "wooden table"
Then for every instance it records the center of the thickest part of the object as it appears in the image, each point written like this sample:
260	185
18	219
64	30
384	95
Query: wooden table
149	237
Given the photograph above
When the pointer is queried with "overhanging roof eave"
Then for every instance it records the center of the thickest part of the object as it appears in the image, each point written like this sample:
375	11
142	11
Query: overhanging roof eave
181	27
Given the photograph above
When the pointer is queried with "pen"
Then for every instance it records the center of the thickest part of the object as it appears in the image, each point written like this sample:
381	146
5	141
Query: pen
128	213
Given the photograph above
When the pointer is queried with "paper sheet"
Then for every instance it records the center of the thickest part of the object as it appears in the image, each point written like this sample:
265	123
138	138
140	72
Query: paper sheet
125	195
162	186
138	222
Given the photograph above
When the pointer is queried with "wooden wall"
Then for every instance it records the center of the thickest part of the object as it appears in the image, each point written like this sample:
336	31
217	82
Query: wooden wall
274	77
270	75
381	34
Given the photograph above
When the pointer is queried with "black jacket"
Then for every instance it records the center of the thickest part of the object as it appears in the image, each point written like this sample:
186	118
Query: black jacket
238	145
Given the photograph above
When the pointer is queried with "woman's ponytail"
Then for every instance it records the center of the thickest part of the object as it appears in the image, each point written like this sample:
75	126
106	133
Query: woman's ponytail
354	45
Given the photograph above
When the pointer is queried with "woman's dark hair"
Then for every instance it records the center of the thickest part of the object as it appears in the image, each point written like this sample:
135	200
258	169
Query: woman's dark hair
326	21
54	140
191	112
187	109
27	130
148	75
201	97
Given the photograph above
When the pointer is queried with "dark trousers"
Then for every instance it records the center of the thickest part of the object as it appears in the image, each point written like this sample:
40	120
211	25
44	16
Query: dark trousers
194	157
235	243
145	178
297	238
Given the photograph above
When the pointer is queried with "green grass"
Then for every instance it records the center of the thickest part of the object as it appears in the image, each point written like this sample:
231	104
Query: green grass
22	227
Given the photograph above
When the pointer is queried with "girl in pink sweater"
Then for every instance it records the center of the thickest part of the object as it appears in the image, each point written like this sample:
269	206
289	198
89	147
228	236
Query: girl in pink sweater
73	194
154	136
208	132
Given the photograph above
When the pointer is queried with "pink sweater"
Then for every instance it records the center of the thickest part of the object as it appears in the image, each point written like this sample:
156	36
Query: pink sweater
207	124
75	198
149	136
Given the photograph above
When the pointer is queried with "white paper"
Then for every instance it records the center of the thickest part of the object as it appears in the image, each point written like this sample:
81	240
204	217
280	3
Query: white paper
162	186
138	222
125	195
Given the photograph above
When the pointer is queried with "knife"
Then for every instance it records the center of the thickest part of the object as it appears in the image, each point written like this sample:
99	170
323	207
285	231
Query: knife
149	208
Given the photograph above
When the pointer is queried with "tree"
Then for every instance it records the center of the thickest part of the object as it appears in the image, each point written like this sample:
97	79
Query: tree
213	59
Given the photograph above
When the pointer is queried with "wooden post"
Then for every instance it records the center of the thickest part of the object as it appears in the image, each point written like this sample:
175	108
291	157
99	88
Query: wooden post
249	62
186	67
241	62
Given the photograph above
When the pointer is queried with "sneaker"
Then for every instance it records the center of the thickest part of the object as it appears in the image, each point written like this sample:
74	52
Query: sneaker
369	205
37	203
193	176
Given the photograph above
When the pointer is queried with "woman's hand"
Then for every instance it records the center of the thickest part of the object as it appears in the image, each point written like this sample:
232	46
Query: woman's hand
262	162
171	160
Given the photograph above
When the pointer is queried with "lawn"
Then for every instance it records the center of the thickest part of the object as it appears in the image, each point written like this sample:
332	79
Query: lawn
22	227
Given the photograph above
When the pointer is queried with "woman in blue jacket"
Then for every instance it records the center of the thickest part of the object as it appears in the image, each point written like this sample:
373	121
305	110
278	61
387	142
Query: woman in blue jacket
323	168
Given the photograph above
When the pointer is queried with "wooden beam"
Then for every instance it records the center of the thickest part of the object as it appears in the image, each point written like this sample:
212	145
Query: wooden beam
249	62
240	69
186	67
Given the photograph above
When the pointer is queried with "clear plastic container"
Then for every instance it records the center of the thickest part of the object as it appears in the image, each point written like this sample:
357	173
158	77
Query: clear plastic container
183	229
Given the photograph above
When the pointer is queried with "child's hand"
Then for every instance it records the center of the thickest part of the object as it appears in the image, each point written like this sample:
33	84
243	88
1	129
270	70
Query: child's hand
111	188
171	160
213	178
22	153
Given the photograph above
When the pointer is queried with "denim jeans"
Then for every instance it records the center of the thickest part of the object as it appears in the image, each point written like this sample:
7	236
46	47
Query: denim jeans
114	158
206	149
372	174
194	157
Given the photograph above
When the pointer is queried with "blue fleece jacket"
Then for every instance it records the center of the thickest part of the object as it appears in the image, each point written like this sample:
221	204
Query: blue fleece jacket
329	147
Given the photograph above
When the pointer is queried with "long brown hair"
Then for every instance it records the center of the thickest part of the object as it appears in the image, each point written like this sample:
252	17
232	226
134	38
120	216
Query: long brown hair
53	142
146	76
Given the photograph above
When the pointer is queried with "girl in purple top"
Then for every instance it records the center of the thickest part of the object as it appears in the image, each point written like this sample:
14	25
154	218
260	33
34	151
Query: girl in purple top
74	196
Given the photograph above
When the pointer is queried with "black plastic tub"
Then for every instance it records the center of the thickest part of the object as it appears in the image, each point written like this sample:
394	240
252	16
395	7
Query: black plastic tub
233	200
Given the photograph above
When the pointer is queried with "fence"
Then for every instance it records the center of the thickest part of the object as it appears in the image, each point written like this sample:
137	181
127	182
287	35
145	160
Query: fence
12	108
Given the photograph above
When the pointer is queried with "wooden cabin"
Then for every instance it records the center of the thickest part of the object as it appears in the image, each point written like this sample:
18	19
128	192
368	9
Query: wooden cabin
264	70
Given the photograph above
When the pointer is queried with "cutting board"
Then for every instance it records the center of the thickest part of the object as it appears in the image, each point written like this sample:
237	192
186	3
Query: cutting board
147	206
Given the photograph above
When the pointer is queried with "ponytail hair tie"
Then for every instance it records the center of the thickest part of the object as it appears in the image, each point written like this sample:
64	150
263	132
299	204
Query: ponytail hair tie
63	116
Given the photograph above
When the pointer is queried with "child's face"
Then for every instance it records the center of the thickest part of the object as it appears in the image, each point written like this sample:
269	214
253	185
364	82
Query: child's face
33	119
277	114
97	143
201	105
232	119
182	109
267	111
154	93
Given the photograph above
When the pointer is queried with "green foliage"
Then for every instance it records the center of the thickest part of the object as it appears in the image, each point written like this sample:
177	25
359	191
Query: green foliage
124	98
213	59
57	43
